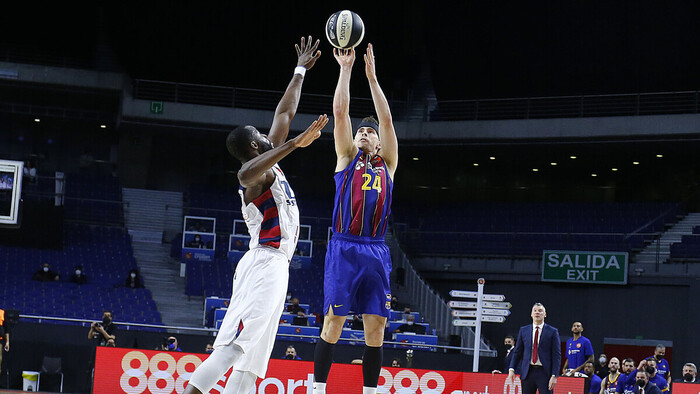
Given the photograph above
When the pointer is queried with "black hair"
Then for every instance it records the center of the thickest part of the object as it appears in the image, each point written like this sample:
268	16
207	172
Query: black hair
238	141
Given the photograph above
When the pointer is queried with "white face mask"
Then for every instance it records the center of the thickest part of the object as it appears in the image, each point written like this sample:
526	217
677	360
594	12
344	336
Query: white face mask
410	323
289	297
46	269
78	272
602	360
133	274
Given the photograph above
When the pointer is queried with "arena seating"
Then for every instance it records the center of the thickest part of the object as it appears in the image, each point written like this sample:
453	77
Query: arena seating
492	229
688	249
93	199
106	256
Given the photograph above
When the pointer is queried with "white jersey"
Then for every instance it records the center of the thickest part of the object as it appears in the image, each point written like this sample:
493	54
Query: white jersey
273	217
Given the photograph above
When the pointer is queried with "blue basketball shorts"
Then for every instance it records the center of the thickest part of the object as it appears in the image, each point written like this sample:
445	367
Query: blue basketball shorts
357	276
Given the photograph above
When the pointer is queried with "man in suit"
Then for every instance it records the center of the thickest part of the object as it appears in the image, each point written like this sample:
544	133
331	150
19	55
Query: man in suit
538	354
509	343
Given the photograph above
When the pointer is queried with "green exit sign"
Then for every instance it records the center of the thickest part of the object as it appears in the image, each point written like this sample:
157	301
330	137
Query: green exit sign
156	107
585	267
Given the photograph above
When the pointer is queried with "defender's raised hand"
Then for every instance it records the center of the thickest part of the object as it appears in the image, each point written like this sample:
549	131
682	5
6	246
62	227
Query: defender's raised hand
307	53
311	133
345	57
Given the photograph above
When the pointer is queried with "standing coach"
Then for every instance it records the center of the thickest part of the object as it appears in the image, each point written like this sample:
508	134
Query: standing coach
538	354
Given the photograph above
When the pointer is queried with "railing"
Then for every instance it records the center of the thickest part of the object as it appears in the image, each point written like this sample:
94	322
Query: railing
433	307
637	104
231	97
213	331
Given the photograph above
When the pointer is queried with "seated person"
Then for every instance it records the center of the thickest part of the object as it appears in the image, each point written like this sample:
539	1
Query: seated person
300	318
395	304
410	326
196	242
171	345
295	307
133	280
78	276
291	353
45	274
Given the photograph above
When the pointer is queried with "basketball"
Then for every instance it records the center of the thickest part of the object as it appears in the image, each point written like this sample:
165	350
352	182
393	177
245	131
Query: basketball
344	29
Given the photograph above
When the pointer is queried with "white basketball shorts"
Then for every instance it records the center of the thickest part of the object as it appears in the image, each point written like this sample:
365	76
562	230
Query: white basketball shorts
257	300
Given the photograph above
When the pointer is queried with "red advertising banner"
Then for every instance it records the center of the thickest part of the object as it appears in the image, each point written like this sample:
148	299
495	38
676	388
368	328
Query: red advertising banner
685	388
156	372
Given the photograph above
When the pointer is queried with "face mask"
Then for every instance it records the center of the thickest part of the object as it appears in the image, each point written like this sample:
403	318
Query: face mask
651	370
78	272
209	351
602	360
658	356
133	274
289	297
46	269
688	377
410	323
106	320
171	346
641	383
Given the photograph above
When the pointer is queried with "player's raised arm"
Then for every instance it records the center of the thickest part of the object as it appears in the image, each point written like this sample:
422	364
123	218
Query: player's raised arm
253	171
387	135
345	149
307	54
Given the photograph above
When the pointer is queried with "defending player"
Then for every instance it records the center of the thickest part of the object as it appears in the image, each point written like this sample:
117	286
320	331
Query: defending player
358	263
248	331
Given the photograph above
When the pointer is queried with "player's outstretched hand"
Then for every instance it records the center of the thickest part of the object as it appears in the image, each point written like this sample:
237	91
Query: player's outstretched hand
311	133
370	69
307	54
345	57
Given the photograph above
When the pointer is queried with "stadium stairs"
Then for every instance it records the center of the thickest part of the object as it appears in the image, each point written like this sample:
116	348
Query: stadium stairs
670	236
148	215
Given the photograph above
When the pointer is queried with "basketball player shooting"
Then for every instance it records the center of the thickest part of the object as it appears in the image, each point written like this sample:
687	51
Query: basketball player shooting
248	331
358	262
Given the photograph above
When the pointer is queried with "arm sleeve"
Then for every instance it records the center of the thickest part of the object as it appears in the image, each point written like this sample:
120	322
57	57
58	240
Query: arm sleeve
517	351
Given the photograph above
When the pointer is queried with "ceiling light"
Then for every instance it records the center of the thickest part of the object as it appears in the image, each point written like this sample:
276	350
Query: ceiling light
416	159
492	157
659	156
635	163
103	126
535	170
37	120
572	157
553	163
476	164
614	169
594	174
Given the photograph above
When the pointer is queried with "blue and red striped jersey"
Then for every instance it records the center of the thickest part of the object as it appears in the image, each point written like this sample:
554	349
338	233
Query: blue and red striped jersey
272	218
363	197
